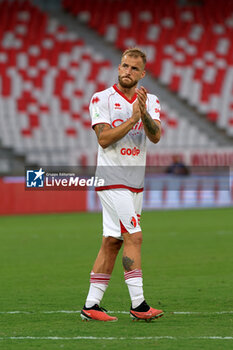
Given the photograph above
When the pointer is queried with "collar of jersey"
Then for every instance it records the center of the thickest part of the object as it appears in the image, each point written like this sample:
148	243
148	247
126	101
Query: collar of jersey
121	93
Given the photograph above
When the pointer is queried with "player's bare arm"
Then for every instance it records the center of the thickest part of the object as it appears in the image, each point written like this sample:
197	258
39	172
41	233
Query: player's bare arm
107	135
151	126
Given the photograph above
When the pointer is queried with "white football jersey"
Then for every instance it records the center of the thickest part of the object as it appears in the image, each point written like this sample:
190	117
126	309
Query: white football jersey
122	164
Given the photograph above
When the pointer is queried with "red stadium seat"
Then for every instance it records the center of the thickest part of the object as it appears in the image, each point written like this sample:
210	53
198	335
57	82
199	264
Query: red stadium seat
205	30
46	73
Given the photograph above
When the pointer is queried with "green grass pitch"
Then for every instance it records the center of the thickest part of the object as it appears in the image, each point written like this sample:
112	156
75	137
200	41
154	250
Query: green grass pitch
187	258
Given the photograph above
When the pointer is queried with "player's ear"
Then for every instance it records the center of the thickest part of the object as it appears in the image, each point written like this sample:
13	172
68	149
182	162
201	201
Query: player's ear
143	74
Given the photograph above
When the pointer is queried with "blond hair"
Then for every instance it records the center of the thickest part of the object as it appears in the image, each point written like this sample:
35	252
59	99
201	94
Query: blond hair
135	52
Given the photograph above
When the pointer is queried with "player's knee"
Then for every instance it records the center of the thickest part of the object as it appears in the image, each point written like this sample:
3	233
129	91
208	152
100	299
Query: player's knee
133	239
137	239
112	244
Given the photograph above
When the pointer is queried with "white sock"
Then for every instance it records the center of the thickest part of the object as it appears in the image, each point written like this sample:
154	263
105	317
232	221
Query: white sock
133	279
98	285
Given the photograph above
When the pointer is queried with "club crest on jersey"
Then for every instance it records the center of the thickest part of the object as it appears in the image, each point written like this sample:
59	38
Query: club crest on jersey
133	221
117	106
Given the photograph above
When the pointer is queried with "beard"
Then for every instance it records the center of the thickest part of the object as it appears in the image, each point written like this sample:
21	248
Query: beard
127	84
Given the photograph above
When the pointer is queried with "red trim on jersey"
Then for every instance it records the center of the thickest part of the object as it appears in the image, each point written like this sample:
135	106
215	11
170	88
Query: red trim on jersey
121	93
111	187
100	123
123	229
139	217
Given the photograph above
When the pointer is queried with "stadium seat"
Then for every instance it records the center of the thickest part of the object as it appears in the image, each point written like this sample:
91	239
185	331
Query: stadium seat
190	47
44	69
48	75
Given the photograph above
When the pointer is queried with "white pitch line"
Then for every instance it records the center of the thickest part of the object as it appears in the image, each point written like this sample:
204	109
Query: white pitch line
116	312
61	312
201	312
117	338
15	312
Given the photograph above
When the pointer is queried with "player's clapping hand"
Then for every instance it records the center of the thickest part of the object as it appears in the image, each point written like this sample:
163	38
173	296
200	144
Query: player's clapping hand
136	111
142	97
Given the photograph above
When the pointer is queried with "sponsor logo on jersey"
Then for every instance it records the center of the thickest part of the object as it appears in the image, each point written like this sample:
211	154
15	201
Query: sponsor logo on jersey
133	221
117	106
95	100
156	110
137	126
130	151
117	122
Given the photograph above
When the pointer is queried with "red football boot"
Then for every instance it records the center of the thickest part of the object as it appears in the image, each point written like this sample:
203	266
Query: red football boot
96	313
145	312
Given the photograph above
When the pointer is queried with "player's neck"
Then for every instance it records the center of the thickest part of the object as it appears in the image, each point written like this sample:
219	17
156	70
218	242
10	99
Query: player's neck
128	92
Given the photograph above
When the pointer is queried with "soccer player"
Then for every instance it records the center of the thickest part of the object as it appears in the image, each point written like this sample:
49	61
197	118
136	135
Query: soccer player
123	116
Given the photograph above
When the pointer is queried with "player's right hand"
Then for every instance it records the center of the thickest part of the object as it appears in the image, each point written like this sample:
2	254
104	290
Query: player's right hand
136	112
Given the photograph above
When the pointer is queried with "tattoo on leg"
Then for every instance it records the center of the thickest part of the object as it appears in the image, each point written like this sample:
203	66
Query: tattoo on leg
127	263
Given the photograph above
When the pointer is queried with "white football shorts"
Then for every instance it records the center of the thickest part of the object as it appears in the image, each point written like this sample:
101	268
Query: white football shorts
121	211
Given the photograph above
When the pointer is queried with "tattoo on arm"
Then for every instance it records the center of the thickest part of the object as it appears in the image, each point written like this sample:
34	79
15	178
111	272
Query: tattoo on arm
100	128
127	263
150	125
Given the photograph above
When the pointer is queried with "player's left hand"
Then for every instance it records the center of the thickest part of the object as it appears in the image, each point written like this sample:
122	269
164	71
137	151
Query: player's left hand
142	97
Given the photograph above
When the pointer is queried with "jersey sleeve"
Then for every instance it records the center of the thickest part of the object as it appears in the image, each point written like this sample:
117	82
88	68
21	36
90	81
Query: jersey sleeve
99	110
154	107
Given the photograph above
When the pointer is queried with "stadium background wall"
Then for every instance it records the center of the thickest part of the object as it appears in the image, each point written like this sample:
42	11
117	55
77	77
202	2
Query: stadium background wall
16	200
